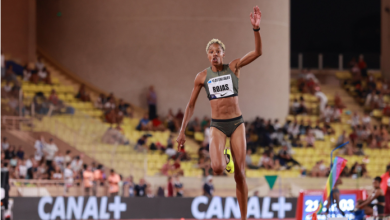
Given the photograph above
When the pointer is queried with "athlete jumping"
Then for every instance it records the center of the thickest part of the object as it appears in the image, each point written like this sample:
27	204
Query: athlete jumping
221	85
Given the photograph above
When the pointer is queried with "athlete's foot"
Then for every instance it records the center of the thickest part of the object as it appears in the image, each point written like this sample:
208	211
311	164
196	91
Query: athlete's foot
229	163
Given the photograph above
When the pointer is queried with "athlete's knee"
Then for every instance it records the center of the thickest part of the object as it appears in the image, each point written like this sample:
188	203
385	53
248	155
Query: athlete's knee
239	175
218	168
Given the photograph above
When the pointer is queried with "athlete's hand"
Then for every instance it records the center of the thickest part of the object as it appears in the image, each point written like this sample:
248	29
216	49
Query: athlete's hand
255	17
181	139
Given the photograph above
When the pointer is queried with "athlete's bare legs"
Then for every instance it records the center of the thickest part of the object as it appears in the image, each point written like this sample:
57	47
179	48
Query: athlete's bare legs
238	148
217	145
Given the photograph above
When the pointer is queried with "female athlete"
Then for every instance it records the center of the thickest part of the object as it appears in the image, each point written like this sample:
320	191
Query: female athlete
221	85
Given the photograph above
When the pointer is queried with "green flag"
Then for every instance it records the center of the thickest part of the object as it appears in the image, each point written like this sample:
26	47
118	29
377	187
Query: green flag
271	180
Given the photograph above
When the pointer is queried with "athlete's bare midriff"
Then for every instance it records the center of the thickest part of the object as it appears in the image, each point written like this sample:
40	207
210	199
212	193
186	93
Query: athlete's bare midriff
225	108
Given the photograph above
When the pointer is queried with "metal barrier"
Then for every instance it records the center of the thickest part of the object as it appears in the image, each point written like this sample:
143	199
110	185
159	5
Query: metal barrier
14	122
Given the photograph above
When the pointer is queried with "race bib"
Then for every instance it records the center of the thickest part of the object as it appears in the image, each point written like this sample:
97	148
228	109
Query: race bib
220	86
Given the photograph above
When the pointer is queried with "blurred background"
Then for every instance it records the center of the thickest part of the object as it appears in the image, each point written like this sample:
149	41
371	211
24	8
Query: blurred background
93	94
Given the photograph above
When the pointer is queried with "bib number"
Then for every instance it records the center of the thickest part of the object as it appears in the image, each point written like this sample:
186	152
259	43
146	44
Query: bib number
220	86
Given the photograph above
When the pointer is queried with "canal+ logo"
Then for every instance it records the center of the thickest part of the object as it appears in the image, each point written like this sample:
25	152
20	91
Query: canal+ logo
75	208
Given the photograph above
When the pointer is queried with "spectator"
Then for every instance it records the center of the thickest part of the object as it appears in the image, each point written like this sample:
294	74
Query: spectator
208	187
293	129
20	153
167	168
122	106
144	124
171	121
83	94
302	109
57	174
194	125
10	75
10	153
355	120
178	186
26	73
157	124
295	107
296	141
322	98
22	169
160	191
53	98
44	76
30	161
32	168
318	132
248	160
266	162
170	151
111	116
338	103
113	181
39	64
179	116
152	103
50	169
371	99
115	136
170	187
50	149
68	176
77	164
141	143
206	135
140	189
59	160
67	157
285	158
130	186
310	139
149	192
177	167
6	90
97	179
4	144
337	115
88	178
319	169
386	110
100	101
110	104
277	125
13	162
362	66
327	114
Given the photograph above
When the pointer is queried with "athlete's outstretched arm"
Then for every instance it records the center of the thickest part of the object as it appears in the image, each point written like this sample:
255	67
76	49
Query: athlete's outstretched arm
369	200
199	79
255	18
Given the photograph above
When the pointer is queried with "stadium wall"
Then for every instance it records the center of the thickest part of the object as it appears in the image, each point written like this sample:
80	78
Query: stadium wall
125	46
385	38
201	207
18	29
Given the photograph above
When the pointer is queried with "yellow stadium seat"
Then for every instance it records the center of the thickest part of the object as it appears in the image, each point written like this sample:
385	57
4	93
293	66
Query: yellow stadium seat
377	113
385	120
198	136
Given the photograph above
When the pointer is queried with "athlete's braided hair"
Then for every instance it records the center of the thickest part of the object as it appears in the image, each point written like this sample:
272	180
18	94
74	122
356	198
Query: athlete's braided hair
215	41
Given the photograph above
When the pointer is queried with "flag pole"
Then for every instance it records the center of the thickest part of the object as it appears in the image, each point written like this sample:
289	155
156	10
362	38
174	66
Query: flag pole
331	153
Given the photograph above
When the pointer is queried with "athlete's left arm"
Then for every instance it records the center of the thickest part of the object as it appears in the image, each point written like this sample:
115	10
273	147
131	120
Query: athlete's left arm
255	18
369	200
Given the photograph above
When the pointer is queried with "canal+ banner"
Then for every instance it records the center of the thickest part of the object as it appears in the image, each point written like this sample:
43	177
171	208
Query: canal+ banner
202	207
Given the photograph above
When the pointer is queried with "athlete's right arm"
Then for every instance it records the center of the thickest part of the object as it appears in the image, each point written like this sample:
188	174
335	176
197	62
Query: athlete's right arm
199	80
